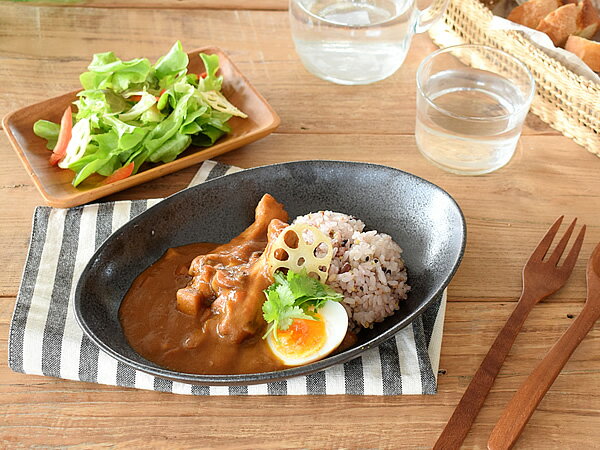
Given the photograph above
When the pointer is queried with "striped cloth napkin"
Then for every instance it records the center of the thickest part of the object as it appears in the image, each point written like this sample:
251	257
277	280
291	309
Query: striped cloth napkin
46	340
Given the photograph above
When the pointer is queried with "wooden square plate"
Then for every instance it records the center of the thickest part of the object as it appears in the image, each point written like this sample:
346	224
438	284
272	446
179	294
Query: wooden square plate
55	184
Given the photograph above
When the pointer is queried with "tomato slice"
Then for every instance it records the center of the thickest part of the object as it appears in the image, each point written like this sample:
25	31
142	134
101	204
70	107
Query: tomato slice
120	174
137	98
64	136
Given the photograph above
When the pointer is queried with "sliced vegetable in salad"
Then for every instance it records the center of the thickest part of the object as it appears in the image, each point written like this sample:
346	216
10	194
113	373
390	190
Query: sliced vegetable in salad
133	112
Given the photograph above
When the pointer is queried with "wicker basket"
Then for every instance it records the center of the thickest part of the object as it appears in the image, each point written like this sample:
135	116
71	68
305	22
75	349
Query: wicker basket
564	100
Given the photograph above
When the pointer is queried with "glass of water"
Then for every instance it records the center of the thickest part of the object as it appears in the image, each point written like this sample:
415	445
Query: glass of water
472	101
357	41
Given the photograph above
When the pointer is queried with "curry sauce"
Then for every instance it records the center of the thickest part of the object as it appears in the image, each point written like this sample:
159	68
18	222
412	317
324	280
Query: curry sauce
158	331
207	319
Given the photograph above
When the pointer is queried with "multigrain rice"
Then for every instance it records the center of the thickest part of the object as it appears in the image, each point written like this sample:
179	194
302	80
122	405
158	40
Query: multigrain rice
367	267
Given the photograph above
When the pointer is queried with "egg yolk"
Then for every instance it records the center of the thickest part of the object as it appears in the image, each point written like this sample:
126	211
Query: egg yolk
302	338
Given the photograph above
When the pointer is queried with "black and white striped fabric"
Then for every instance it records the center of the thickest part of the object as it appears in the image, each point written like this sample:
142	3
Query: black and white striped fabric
46	340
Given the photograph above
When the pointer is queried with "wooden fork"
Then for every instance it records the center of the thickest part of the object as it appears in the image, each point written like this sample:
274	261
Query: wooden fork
530	394
540	279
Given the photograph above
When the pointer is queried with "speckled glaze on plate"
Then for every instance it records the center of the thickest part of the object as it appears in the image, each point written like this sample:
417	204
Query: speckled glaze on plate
421	217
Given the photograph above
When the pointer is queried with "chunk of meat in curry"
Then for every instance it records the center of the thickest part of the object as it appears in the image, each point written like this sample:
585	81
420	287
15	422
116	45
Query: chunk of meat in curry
227	284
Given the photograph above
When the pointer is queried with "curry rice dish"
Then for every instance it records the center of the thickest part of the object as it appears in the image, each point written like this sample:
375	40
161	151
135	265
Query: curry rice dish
199	308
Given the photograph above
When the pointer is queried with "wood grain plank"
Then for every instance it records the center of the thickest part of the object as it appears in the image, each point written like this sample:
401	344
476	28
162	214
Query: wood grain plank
44	50
280	5
72	413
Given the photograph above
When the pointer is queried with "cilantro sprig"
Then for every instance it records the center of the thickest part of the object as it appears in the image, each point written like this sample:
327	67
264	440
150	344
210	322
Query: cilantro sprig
294	296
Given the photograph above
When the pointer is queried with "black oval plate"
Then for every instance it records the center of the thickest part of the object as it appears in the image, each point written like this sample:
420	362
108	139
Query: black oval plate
421	217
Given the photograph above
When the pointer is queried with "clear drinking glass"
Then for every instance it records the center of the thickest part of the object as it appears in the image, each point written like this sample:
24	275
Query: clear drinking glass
357	41
472	101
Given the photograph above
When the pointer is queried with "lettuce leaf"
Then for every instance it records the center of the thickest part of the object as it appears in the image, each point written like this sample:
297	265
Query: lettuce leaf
47	130
173	63
211	82
169	150
108	71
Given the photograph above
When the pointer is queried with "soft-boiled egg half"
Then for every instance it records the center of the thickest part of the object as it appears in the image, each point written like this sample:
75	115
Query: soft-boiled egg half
306	341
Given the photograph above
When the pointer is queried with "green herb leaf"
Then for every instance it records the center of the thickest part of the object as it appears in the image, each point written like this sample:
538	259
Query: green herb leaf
294	296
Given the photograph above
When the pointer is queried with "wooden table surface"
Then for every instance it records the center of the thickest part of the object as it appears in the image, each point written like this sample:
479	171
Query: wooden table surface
42	51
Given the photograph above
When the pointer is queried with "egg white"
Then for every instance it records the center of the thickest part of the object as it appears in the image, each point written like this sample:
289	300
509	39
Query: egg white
336	323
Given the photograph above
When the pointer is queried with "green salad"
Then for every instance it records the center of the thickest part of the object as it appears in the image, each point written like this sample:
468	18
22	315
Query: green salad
133	112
